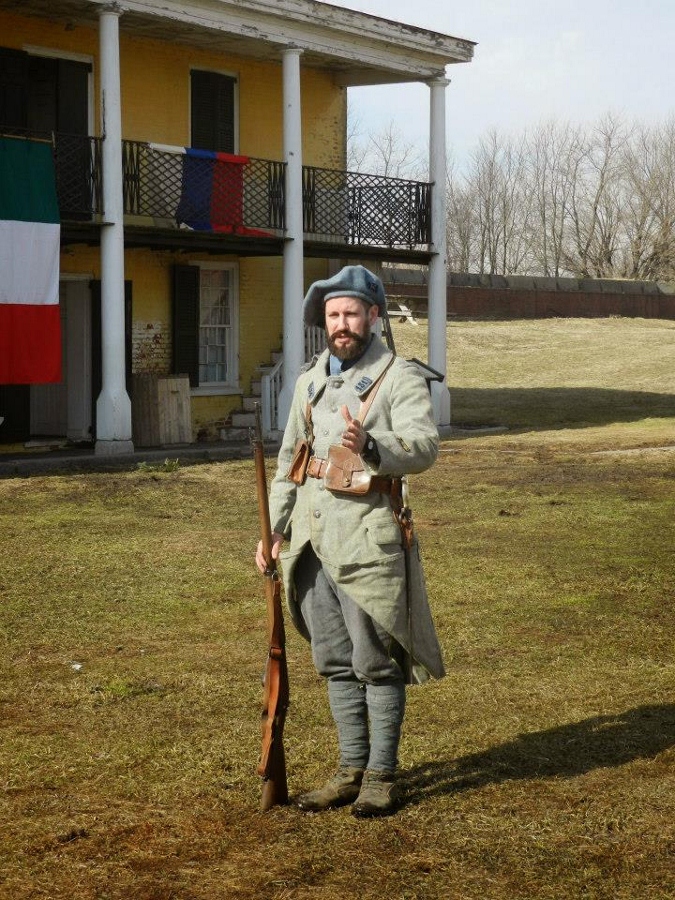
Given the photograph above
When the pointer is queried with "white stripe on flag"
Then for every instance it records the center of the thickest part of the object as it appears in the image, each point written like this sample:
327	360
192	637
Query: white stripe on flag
29	262
166	148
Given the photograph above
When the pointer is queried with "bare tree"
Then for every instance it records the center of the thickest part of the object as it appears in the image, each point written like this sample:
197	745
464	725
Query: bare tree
552	148
649	203
496	199
461	225
595	201
356	145
386	153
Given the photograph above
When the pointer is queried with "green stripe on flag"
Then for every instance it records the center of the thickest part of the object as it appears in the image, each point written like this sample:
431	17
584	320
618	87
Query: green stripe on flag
27	181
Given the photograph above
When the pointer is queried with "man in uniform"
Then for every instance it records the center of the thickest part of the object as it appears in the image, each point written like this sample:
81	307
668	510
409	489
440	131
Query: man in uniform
352	589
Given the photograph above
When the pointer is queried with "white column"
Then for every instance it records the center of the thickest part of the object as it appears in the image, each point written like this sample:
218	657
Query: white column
438	264
113	407
294	340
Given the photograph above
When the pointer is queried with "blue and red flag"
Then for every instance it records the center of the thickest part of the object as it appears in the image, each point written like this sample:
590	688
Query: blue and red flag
212	197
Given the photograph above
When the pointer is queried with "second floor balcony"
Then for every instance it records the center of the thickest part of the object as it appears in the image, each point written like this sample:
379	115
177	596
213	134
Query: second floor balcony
181	197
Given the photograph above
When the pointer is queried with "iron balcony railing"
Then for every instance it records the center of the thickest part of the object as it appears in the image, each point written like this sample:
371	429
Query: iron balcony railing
240	195
202	190
79	185
79	182
355	208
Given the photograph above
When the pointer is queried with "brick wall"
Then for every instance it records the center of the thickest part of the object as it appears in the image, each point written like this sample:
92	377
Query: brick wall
492	296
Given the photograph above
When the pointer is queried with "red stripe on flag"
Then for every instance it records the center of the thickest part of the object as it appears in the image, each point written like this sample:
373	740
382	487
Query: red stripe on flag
30	343
227	192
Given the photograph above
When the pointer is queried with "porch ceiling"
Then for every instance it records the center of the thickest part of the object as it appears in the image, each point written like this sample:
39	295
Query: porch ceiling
357	48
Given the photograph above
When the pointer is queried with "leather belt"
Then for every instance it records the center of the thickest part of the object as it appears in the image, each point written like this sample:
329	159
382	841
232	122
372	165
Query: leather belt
317	469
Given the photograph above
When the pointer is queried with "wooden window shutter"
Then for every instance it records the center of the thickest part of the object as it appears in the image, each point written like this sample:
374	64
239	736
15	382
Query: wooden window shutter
185	322
42	93
212	111
13	88
73	90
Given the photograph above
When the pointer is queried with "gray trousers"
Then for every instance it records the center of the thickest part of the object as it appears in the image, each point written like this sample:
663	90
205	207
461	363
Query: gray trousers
366	688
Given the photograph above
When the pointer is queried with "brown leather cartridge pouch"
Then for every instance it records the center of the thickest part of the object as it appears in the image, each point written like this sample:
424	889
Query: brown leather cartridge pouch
345	472
297	471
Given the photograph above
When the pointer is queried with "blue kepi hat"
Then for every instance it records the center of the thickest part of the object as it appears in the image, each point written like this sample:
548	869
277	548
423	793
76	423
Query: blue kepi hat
352	281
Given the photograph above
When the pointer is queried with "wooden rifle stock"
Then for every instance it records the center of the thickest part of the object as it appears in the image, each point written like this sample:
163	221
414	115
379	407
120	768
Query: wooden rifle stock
272	766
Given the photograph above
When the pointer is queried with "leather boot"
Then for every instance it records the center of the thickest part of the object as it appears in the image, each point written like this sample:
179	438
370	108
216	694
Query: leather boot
379	795
341	789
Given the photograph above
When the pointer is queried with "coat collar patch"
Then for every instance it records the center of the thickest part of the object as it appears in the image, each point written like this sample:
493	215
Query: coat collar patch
364	382
365	372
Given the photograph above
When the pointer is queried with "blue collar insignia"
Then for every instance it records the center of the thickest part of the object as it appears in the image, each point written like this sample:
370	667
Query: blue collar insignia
362	384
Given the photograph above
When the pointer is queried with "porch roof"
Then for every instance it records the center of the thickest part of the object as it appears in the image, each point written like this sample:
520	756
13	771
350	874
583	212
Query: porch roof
357	48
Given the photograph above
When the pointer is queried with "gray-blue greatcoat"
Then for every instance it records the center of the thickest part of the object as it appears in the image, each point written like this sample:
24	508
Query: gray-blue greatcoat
357	538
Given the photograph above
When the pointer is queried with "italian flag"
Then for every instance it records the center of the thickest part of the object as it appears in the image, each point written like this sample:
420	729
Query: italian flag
30	325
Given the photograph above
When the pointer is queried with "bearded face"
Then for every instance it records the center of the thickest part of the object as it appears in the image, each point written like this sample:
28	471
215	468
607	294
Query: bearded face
348	326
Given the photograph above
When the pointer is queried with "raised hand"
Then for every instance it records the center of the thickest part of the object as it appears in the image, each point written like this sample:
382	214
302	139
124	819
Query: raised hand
354	435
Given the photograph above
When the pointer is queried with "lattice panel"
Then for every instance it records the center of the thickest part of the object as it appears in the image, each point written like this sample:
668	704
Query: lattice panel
366	209
235	194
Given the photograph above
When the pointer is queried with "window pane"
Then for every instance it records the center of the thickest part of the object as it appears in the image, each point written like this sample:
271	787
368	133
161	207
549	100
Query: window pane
215	333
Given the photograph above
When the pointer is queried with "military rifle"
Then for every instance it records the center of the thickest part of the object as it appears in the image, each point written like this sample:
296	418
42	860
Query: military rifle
272	766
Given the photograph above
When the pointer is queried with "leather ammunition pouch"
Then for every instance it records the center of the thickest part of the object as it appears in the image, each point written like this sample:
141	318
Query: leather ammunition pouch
297	471
317	468
345	472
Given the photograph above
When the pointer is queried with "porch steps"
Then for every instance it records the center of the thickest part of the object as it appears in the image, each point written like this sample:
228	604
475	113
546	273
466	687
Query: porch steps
243	419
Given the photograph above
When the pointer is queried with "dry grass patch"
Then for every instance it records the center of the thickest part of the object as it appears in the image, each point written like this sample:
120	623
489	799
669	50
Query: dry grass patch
548	373
132	631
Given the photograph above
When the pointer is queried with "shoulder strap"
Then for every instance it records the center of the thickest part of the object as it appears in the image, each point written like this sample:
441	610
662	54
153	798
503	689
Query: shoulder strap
363	409
368	402
309	424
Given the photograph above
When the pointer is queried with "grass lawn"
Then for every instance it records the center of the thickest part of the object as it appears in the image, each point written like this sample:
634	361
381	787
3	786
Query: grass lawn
132	627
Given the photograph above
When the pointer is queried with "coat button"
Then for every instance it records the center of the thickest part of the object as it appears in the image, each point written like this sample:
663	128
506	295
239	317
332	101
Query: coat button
317	514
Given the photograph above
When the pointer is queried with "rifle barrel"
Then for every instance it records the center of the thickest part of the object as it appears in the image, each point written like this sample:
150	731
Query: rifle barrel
276	690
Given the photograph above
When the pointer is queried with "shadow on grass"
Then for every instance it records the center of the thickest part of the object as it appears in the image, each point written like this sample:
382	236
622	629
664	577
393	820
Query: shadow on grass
574	749
563	407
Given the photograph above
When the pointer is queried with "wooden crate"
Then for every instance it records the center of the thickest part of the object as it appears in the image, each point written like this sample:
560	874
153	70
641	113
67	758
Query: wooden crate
160	410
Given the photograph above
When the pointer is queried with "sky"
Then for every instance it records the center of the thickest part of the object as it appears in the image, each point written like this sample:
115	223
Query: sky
535	61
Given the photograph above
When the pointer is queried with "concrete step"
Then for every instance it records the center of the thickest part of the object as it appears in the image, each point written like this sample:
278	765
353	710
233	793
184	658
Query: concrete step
248	403
243	420
235	435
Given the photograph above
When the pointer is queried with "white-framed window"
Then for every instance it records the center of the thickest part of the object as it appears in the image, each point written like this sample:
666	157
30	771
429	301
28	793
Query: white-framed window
205	338
218	309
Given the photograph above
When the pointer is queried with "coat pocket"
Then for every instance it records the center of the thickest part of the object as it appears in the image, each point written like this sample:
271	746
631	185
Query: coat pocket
384	531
